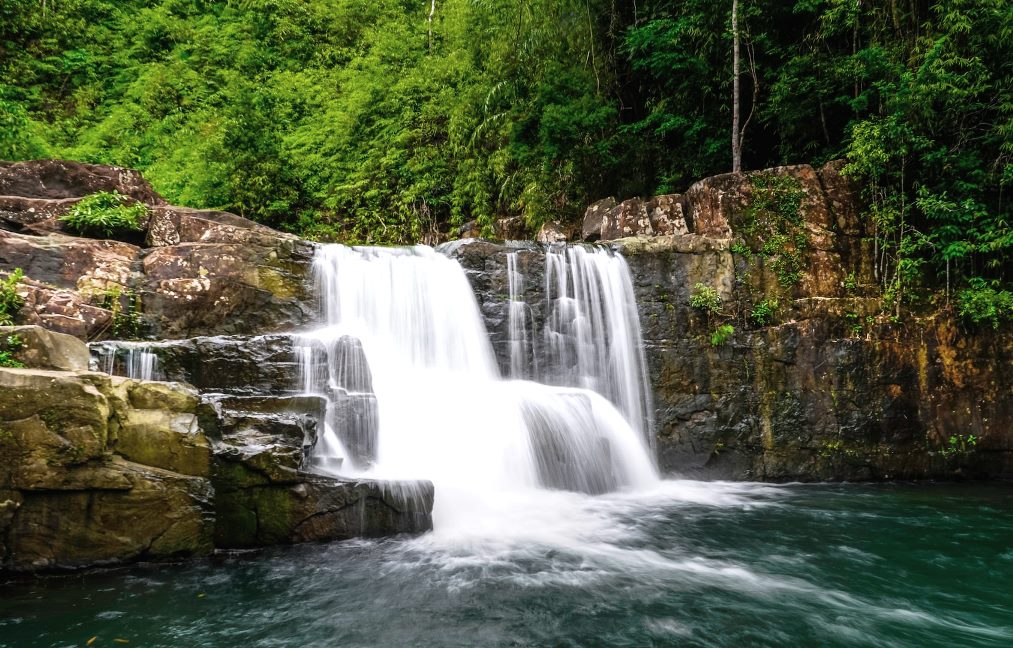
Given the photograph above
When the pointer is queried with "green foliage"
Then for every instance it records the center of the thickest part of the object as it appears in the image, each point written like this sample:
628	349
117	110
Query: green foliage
11	345
126	309
959	444
366	122
10	301
774	220
705	299
105	214
982	303
764	312
721	334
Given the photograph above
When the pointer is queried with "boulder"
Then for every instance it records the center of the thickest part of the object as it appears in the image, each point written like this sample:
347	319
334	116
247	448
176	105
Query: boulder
40	348
667	215
171	225
33	215
60	179
552	232
594	219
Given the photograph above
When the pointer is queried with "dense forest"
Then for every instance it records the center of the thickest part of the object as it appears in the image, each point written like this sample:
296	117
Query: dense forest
385	121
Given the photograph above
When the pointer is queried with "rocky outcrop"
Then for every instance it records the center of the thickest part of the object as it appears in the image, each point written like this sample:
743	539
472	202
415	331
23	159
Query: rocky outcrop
811	380
97	469
198	272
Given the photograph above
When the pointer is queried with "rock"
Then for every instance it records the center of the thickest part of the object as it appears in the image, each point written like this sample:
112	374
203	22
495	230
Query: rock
59	179
33	215
170	225
223	288
667	215
628	218
84	528
594	219
513	228
62	311
552	232
40	348
322	508
92	268
240	364
75	502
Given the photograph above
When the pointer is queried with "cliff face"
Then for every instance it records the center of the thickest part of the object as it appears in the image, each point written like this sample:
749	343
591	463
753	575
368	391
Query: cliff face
812	381
769	355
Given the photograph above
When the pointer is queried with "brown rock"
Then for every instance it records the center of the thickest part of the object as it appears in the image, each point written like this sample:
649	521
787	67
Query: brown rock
64	179
667	215
628	218
552	232
40	348
594	219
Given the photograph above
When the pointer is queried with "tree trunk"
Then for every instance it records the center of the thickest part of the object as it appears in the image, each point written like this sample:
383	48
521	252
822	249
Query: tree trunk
736	141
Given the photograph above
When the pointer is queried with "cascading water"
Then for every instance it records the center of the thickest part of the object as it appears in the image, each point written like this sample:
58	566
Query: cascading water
135	361
591	337
415	392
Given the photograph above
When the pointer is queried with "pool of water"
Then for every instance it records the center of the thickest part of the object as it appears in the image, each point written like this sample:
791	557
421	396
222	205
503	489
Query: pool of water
687	564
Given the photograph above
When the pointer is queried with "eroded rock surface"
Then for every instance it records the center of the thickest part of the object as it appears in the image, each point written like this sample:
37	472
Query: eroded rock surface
98	469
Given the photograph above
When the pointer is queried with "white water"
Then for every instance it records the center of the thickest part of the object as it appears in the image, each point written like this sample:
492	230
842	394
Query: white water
136	361
442	410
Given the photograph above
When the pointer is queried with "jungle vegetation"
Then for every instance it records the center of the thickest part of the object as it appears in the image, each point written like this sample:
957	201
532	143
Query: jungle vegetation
386	121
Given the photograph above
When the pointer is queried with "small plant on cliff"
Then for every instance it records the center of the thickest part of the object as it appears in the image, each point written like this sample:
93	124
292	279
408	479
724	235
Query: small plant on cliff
774	220
960	444
10	301
105	214
764	312
705	299
721	334
984	303
10	346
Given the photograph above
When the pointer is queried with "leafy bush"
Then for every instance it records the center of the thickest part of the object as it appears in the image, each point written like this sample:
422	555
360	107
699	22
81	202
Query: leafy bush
983	303
763	312
705	299
10	301
105	214
721	334
10	346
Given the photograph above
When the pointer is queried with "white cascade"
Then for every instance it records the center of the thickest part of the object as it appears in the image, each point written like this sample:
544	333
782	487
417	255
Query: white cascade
133	360
414	391
591	336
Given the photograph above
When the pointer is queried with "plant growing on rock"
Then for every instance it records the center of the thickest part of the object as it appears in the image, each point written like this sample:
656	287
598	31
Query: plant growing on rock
721	334
11	344
764	312
10	301
105	214
984	303
705	299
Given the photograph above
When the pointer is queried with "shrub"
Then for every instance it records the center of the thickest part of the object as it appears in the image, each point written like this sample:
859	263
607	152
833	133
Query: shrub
721	334
763	312
10	346
705	299
10	301
105	214
983	303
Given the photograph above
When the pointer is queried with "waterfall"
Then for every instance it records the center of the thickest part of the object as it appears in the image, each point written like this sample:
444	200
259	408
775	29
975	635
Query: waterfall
133	360
591	336
414	389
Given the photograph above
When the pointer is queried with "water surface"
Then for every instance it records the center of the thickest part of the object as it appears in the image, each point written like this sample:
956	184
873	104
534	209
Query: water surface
688	564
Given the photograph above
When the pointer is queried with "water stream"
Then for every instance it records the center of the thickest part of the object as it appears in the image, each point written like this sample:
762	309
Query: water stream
415	390
552	527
